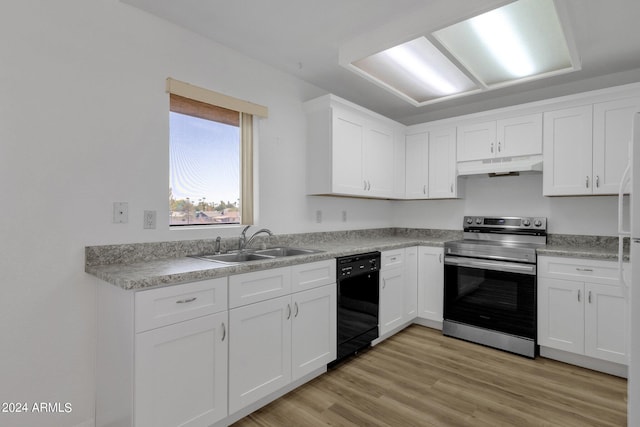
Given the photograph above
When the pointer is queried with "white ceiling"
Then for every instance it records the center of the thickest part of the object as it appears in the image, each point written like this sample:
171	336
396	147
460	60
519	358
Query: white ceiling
303	38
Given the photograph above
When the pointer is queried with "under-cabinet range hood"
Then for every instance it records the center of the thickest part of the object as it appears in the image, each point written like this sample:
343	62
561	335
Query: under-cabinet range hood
502	166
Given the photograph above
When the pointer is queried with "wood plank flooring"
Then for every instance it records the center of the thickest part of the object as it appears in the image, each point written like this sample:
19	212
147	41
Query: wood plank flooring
421	378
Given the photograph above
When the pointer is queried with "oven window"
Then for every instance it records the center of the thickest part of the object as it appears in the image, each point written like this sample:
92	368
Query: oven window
495	300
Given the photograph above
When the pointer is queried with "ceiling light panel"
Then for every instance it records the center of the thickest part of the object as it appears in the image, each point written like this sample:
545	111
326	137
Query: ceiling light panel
522	40
416	70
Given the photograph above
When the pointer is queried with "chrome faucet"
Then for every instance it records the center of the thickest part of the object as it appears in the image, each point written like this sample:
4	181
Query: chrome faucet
216	248
244	243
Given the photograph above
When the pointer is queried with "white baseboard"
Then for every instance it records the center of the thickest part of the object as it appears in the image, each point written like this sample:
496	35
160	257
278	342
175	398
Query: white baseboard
433	324
585	361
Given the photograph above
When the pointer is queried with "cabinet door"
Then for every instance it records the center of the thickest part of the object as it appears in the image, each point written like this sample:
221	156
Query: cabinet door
348	144
606	315
442	164
417	166
314	334
259	350
561	314
379	152
612	133
430	283
476	142
519	136
410	283
181	373
567	142
391	299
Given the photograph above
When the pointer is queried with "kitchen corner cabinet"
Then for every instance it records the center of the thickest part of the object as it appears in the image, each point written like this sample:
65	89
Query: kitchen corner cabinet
586	147
430	165
281	339
430	282
510	137
162	355
582	308
352	151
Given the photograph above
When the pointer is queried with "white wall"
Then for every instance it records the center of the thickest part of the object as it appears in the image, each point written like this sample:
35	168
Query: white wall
84	123
513	196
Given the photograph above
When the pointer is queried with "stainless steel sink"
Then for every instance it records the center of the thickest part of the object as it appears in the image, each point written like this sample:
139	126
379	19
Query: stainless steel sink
284	251
256	255
234	258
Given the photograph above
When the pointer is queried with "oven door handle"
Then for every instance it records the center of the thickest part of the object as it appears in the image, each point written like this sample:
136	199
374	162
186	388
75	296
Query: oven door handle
508	267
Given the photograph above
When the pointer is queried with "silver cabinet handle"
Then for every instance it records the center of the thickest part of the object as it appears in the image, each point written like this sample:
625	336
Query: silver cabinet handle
584	269
184	301
424	189
365	185
224	331
587	182
597	181
296	313
288	311
492	147
451	188
369	186
440	258
589	297
578	295
499	148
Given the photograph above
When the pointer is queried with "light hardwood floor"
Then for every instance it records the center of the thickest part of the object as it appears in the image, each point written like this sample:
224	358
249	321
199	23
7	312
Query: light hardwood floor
421	378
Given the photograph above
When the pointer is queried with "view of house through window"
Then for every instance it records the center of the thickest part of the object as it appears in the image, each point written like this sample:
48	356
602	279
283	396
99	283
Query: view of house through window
205	171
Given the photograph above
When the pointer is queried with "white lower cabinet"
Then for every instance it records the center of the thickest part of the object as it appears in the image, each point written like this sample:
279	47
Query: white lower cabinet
280	340
391	310
181	373
430	283
162	355
582	308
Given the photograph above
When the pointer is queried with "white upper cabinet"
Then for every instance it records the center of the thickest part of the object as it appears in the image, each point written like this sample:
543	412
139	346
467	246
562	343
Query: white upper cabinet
430	164
442	164
352	151
519	136
586	148
476	141
612	126
511	137
568	151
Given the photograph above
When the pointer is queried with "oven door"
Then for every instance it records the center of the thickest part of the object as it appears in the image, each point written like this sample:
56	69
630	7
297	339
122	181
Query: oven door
495	295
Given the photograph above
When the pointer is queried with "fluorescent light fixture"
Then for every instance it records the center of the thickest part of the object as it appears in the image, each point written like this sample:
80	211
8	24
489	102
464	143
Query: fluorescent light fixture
416	70
522	40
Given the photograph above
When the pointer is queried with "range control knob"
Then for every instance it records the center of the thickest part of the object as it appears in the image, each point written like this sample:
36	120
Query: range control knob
537	223
469	221
478	221
526	222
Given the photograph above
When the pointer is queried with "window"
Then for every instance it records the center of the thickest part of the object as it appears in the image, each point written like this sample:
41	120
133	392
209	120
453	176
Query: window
211	157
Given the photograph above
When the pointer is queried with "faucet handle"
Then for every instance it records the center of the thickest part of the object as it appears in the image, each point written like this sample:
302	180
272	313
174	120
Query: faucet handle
216	248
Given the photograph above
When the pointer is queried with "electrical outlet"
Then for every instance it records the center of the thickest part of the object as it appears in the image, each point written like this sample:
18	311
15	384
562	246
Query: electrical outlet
344	216
318	216
149	221
120	212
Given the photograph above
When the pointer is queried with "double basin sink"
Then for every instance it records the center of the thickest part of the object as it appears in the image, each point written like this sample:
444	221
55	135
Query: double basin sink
256	255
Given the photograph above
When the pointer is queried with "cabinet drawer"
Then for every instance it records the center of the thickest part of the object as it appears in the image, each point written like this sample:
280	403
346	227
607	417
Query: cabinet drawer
165	306
605	272
258	286
312	275
392	259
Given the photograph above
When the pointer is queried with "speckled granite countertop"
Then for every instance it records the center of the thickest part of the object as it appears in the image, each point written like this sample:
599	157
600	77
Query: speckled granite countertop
147	265
141	266
590	247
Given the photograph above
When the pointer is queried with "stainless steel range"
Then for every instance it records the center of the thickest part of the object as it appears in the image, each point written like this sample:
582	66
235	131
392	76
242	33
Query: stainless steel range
490	282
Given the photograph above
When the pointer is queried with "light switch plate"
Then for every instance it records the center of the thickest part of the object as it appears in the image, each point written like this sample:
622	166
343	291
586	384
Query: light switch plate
149	220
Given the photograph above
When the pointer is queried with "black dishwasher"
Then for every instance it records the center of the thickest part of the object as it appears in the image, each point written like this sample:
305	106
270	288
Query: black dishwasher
358	300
